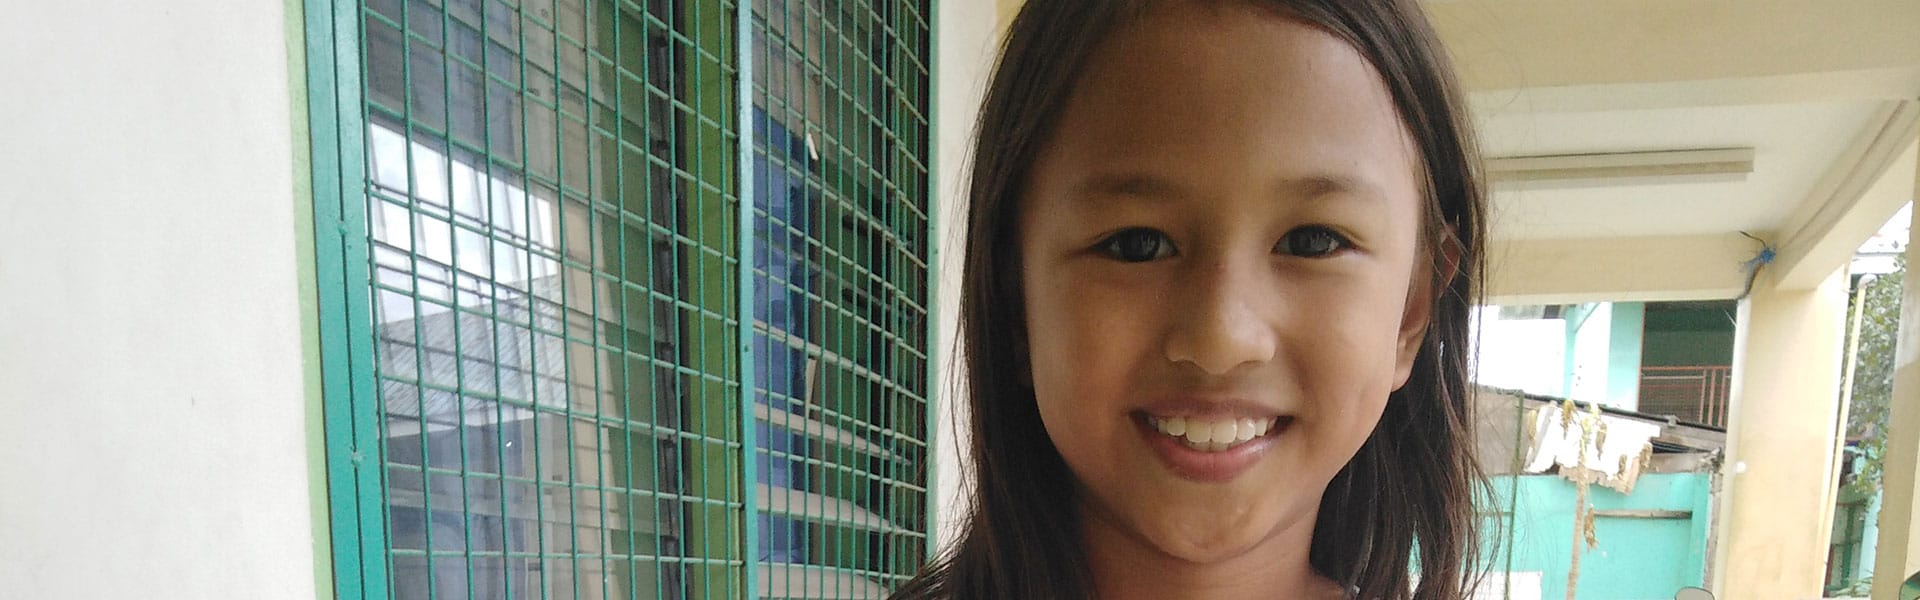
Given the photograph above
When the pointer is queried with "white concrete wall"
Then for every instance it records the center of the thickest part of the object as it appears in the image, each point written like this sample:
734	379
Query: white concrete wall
969	39
1521	354
153	439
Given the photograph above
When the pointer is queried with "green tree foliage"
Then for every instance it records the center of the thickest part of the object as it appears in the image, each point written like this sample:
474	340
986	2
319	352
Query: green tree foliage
1873	377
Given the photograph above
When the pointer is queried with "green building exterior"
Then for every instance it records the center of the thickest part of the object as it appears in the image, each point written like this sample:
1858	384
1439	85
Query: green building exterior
1649	543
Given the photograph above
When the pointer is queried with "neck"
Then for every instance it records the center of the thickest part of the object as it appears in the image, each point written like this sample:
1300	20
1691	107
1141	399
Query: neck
1126	568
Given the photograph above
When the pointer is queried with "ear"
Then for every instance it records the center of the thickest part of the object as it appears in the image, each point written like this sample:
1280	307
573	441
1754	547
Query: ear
1417	319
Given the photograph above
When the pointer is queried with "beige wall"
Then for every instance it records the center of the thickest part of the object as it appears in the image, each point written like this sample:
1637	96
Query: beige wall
1774	510
153	408
1007	9
969	41
1896	554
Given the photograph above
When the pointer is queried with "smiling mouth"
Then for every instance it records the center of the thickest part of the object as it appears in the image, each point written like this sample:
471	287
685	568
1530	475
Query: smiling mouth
1215	435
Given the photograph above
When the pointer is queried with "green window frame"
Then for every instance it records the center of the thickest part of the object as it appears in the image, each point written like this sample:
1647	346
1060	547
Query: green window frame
624	298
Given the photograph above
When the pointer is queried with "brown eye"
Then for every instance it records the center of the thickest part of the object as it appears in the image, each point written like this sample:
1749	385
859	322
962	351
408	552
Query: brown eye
1313	241
1139	244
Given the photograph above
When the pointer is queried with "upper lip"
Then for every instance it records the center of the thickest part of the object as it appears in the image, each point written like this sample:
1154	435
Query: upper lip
1211	407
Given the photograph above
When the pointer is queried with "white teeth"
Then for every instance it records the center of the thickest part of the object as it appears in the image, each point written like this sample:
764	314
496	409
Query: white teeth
1199	434
1212	436
1174	426
1225	431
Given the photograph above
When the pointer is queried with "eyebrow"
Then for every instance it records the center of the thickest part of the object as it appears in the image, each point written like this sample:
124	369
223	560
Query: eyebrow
1152	187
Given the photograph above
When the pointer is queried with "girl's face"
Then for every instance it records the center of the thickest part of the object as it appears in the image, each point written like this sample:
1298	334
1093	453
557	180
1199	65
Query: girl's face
1223	279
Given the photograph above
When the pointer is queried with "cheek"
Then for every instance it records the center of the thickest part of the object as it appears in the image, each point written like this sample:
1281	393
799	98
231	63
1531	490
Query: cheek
1085	349
1344	353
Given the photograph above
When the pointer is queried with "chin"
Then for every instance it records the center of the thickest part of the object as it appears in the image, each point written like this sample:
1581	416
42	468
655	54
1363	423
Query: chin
1211	542
1206	552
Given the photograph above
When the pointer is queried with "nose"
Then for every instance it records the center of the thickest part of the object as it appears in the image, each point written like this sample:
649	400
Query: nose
1220	320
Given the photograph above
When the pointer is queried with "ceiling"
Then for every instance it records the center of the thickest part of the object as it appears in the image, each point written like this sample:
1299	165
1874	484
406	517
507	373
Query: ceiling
1794	146
1825	97
1823	94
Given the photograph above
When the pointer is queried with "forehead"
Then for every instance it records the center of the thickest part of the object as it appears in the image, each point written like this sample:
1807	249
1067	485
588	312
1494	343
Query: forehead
1226	93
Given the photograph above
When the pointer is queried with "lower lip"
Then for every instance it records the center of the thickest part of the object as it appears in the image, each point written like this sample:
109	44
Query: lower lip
1209	467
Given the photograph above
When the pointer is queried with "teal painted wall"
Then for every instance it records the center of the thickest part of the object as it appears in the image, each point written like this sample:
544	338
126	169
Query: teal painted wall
1856	533
1603	345
1869	540
1576	317
1623	357
1637	559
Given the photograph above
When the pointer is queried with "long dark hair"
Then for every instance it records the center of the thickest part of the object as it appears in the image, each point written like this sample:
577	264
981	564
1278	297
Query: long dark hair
1405	500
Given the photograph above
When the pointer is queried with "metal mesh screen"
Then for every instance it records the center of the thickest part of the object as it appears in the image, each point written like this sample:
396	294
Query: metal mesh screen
840	223
554	262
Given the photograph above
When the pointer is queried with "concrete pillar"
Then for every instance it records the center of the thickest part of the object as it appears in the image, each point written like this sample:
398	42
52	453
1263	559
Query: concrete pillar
1774	515
1895	555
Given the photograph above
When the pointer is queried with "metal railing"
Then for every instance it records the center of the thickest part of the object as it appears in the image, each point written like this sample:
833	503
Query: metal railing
1692	393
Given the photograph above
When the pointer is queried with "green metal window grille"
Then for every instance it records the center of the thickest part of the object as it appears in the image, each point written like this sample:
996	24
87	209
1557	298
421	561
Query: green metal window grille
624	298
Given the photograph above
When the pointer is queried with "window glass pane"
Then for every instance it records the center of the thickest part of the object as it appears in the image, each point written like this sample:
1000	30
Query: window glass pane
537	336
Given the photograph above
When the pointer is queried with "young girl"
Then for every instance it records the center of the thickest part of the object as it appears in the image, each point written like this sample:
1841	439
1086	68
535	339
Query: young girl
1219	265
